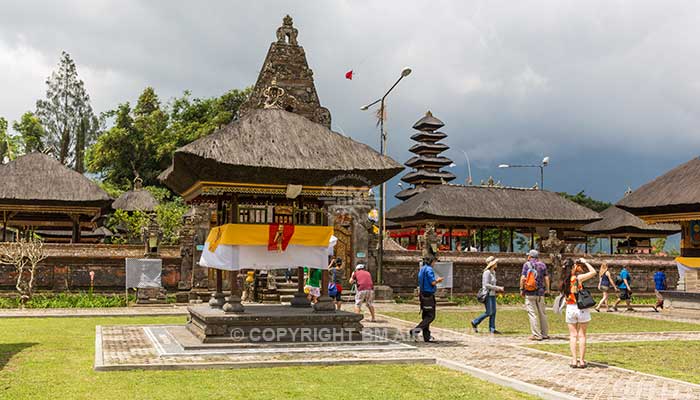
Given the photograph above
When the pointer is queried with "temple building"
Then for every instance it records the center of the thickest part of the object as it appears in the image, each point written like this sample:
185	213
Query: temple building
674	197
470	210
632	233
39	194
427	162
282	182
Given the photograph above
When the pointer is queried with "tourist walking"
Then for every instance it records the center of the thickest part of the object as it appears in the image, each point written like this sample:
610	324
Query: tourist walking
605	282
534	285
623	283
488	282
365	290
659	285
335	288
577	319
427	284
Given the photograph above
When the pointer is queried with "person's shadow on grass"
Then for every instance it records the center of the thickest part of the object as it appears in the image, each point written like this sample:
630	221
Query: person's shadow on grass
9	350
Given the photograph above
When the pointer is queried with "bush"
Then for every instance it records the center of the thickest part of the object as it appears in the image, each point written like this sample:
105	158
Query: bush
69	300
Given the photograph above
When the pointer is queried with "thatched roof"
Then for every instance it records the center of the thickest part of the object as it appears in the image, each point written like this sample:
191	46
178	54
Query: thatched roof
410	192
416	177
273	146
136	200
677	191
479	204
426	136
428	123
421	161
39	179
428	148
618	221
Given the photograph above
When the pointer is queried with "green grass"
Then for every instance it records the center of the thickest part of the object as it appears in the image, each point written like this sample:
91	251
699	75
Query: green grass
672	359
52	358
508	299
516	322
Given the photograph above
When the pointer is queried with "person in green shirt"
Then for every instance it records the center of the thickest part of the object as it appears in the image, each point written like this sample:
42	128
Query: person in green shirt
313	284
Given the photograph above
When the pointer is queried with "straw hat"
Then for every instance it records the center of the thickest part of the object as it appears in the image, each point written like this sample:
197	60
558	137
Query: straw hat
490	262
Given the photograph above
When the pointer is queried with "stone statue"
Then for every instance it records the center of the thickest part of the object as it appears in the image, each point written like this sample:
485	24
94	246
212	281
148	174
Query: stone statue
287	33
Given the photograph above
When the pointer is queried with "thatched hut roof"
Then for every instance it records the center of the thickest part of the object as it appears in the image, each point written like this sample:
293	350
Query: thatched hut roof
136	199
675	192
39	179
497	205
273	146
617	221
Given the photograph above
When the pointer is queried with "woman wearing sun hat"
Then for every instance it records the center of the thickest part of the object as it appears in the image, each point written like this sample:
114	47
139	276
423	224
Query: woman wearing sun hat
488	282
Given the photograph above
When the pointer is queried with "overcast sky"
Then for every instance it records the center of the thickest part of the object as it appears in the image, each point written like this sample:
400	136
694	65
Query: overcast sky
608	89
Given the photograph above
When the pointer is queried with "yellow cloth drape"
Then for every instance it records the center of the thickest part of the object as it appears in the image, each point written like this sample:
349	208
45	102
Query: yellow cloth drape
690	262
259	235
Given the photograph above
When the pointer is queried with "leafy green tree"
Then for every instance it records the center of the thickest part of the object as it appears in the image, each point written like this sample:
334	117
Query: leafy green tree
9	145
32	132
586	201
66	114
142	141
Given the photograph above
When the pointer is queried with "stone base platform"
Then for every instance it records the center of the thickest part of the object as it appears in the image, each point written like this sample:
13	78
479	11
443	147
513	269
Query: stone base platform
171	347
675	299
277	322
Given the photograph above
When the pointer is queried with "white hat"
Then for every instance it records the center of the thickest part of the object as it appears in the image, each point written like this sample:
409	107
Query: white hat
490	262
360	266
533	253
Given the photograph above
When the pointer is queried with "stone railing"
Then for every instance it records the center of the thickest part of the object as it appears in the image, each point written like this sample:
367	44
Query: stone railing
68	267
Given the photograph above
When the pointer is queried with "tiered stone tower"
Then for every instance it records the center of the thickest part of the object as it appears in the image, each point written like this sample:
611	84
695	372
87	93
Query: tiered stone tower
427	162
286	81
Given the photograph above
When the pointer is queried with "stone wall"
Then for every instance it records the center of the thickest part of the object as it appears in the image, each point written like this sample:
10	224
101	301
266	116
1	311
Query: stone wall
68	267
401	270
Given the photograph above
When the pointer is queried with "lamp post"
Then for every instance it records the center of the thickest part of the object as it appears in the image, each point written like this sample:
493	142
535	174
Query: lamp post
382	188
544	163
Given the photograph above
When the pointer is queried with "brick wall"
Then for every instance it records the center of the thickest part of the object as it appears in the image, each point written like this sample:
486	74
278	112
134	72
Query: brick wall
68	267
401	270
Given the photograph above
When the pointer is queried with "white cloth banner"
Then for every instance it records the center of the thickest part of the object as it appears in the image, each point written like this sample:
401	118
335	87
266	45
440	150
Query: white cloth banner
143	273
234	258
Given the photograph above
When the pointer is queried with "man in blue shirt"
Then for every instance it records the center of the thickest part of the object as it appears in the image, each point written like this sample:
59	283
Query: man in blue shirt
659	285
623	283
427	282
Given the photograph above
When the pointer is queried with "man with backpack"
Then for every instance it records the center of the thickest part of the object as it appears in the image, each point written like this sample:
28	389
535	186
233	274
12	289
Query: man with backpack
534	285
623	283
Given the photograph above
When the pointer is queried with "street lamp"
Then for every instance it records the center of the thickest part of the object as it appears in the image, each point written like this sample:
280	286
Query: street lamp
382	188
544	163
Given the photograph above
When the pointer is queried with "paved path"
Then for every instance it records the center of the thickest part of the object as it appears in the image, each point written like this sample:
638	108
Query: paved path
504	359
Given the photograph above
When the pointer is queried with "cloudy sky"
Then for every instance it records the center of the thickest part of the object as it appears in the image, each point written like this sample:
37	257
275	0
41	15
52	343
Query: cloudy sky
610	90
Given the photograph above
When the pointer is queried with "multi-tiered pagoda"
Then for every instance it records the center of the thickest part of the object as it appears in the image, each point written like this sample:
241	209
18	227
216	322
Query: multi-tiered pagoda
427	162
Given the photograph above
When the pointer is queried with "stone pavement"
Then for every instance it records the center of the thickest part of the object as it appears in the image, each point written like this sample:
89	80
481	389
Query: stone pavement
504	360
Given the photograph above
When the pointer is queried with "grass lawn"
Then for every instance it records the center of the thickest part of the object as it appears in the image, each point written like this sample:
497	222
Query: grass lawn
52	358
516	322
676	359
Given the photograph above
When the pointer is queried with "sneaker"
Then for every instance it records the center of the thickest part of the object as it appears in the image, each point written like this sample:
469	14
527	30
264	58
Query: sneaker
474	328
413	333
431	340
495	332
545	337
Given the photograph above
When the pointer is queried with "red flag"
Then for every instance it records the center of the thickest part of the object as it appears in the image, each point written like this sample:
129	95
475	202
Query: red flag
348	75
279	236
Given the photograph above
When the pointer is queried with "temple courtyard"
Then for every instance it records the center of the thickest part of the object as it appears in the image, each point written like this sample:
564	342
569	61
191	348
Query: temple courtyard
57	353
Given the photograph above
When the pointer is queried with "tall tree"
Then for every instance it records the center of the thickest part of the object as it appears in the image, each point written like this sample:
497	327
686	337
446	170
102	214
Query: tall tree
32	133
142	140
66	114
9	145
583	199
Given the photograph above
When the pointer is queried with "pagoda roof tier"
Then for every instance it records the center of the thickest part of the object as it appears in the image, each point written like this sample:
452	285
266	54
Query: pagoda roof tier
617	221
673	196
428	123
422	176
275	147
429	137
491	206
408	193
427	161
428	148
136	199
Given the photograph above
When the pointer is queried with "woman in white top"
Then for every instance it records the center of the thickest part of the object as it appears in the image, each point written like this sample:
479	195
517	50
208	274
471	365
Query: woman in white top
488	282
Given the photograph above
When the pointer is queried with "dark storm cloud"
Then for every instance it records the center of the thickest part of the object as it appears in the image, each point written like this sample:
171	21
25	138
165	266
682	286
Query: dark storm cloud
608	89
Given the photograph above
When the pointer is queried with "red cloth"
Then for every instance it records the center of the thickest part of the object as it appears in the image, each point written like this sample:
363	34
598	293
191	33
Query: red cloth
348	75
273	240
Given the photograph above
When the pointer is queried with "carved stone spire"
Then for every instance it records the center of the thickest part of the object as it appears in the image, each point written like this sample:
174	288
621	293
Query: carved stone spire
286	75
